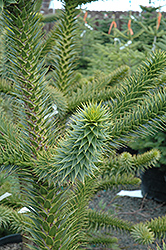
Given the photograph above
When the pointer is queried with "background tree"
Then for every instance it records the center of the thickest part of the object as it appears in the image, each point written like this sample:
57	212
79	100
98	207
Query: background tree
152	23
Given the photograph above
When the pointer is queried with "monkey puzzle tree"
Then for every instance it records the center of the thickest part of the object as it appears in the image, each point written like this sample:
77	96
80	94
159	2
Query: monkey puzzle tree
58	174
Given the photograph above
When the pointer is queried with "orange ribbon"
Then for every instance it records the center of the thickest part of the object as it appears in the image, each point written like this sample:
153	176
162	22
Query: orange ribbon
129	27
110	28
85	16
159	20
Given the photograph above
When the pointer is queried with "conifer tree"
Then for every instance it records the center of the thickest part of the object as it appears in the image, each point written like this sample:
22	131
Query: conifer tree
151	22
60	173
122	49
155	141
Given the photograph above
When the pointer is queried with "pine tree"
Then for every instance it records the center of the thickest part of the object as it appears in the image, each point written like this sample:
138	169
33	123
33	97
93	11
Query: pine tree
110	56
104	25
151	22
122	49
87	36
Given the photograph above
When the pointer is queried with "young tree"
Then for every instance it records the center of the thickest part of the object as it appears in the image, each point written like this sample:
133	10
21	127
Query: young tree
58	174
151	22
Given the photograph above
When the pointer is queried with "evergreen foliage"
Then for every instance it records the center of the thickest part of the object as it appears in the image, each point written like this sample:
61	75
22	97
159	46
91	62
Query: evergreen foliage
161	43
60	169
103	27
128	46
157	141
127	164
139	35
110	56
99	87
145	233
6	3
152	25
64	52
87	36
11	220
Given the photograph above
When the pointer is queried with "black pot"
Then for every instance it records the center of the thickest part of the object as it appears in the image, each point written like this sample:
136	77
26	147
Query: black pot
9	239
153	184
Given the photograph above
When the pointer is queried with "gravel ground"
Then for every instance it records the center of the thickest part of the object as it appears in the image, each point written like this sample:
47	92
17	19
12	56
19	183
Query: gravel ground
127	208
12	247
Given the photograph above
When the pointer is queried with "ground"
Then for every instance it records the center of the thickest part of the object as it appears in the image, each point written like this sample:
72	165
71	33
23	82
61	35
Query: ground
131	209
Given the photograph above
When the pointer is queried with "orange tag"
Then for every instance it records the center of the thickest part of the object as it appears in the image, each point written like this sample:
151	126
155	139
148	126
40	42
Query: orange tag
159	20
110	28
85	16
129	27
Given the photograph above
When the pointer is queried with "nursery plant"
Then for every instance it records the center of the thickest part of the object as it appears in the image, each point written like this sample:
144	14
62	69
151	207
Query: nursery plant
61	161
151	21
157	141
87	37
113	55
119	49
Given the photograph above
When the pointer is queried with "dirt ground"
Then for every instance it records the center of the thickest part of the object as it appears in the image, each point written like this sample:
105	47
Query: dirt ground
131	209
127	208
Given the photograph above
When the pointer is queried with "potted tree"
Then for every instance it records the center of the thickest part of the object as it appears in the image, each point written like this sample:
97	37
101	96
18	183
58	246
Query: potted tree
153	179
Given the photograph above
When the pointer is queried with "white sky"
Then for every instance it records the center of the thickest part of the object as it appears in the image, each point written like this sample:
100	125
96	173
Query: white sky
115	5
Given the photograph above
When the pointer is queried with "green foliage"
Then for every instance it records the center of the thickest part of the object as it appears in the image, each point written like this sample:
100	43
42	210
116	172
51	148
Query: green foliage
59	172
137	115
26	81
103	28
100	87
118	180
65	52
104	221
157	225
4	63
152	141
161	42
126	164
145	28
142	234
87	35
163	246
138	89
10	184
146	233
51	228
109	56
106	241
6	3
106	52
12	221
148	22
84	144
78	2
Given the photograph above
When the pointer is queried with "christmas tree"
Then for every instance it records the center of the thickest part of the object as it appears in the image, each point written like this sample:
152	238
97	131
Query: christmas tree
151	22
